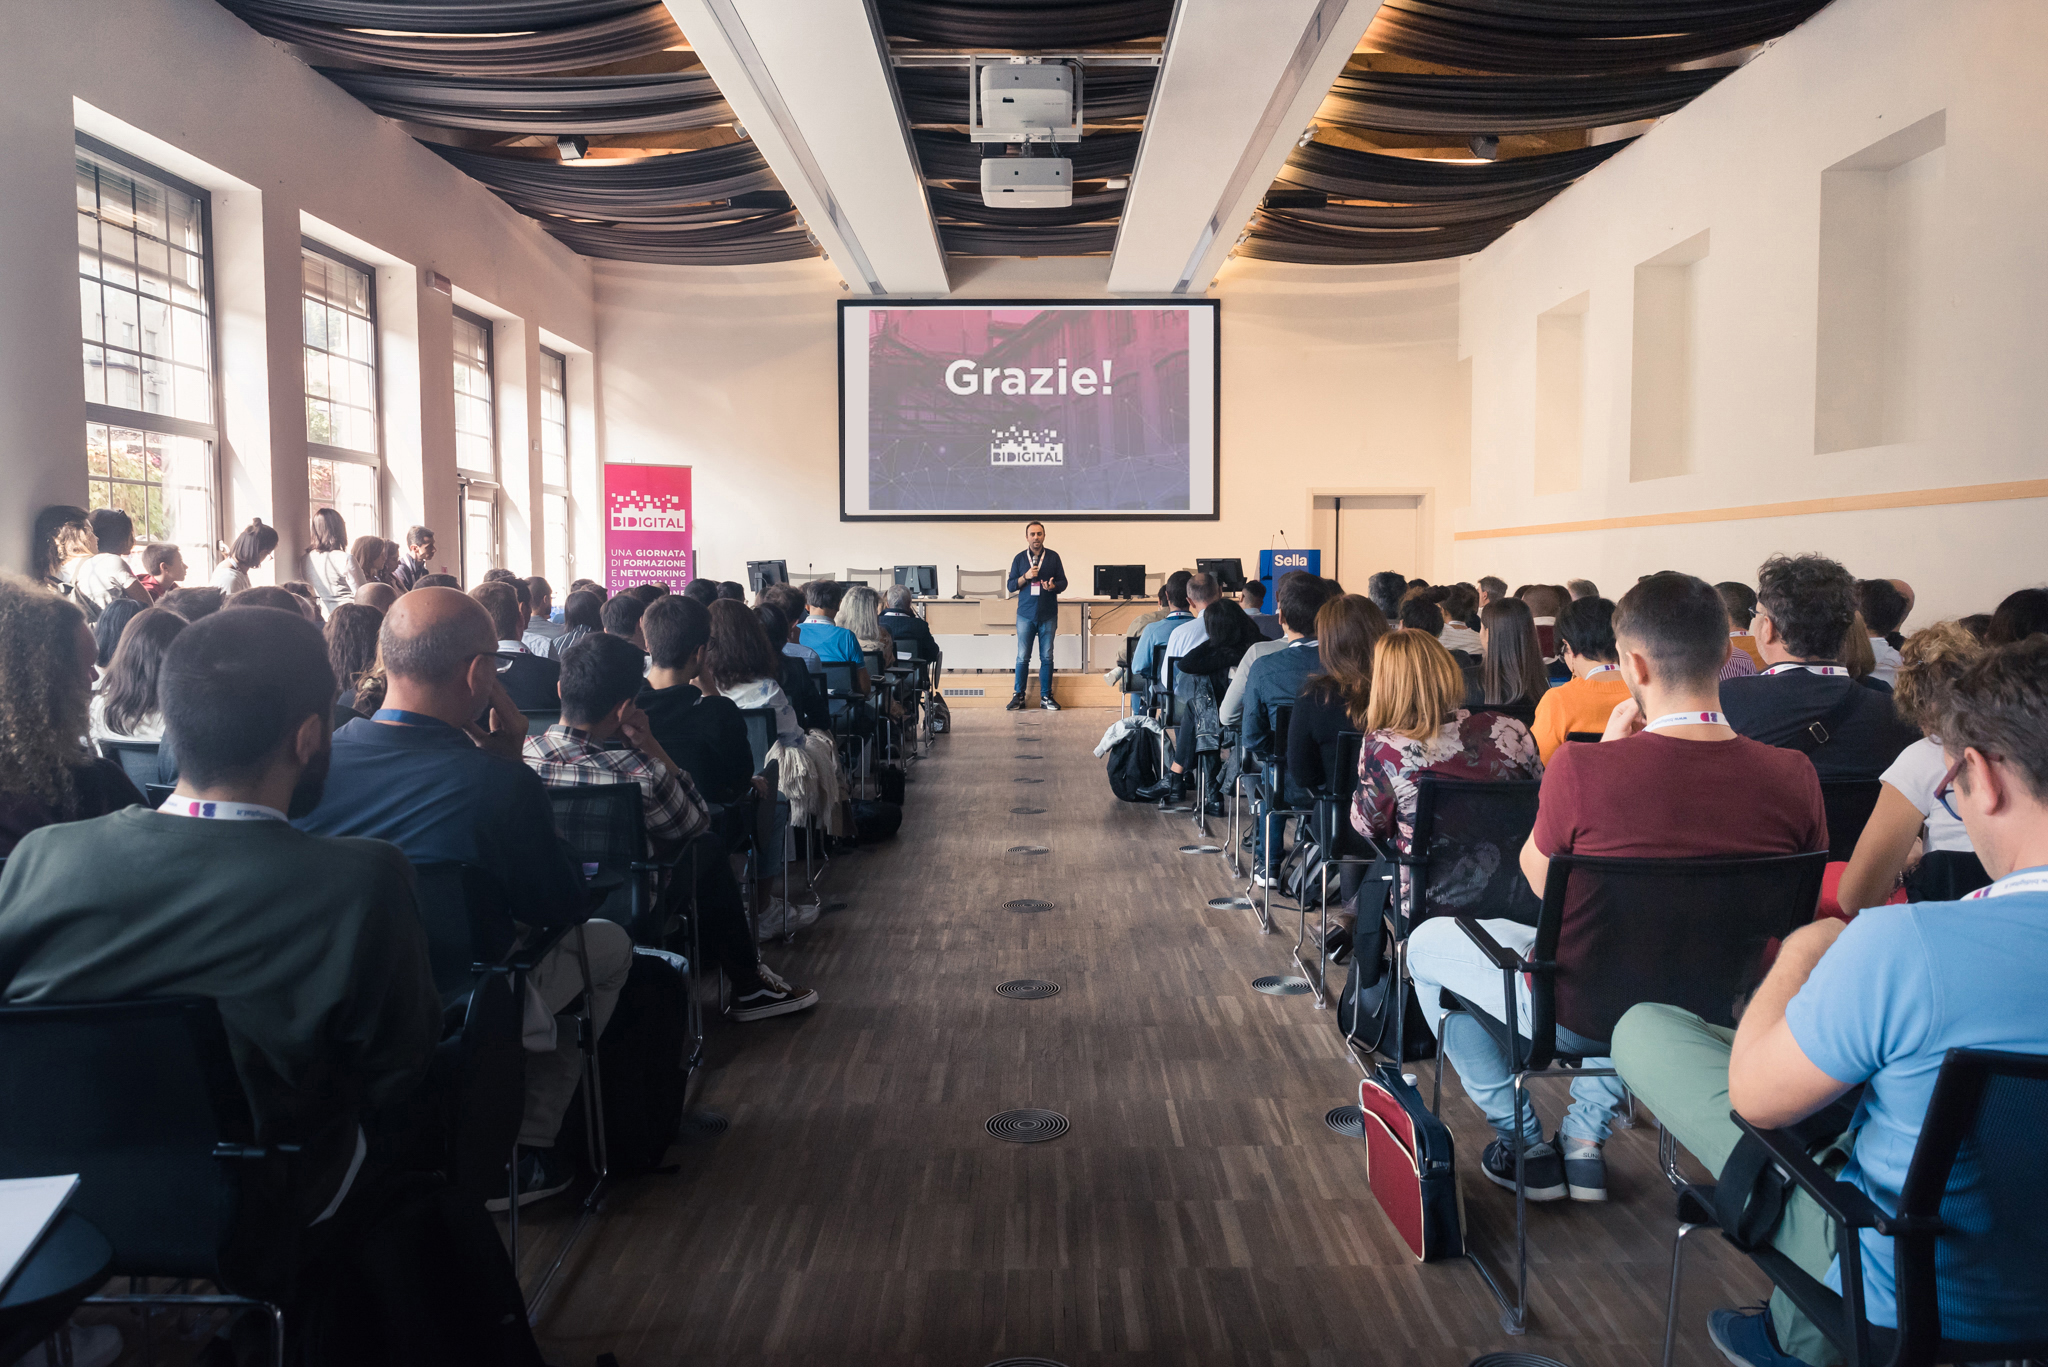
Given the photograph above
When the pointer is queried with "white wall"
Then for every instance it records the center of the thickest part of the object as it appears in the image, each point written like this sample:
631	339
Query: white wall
186	85
1332	380
1744	165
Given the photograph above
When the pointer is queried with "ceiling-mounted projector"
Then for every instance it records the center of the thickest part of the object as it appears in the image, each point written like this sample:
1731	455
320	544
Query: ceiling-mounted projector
1029	101
1027	182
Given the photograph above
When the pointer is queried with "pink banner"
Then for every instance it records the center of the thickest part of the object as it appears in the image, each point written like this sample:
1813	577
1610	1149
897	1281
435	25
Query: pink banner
647	525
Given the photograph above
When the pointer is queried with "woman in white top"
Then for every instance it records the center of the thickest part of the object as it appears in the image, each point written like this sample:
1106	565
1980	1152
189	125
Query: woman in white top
329	570
126	708
740	664
1907	811
93	564
251	549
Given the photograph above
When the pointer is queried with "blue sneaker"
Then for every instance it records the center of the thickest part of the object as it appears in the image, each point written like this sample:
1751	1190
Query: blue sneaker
1746	1339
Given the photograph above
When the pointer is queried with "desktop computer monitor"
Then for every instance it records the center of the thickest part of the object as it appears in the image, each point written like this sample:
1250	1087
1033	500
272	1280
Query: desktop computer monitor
1229	573
1119	581
921	580
761	573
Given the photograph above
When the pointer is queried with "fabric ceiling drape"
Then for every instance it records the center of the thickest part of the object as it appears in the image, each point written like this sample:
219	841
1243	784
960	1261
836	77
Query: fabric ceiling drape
1348	174
648	191
600	105
983	240
1409	102
1577	37
442	16
635	33
1040	24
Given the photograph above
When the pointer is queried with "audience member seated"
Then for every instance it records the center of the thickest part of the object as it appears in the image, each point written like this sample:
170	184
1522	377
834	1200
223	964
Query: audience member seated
266	596
542	631
1233	702
49	772
107	629
1878	1002
1387	589
367	556
1884	610
430	778
1418	613
703	732
352	653
1492	589
1581	588
1585	636
1740	600
163	568
332	574
703	592
833	643
732	591
252	546
2020	615
621	616
413	566
1671	780
1508	677
905	627
1273	681
788	599
313	951
803	685
1460	636
1545	603
1147	655
309	607
1805	699
437	581
126	707
529	679
1253	599
860	613
379	596
741	663
1859	655
193	603
1201	677
582	615
589	586
1338	696
1203	590
92	564
1908	821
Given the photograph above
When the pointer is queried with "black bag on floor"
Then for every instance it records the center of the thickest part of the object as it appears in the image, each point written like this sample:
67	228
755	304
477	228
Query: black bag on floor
941	715
875	821
1134	764
889	781
641	1071
1366	1006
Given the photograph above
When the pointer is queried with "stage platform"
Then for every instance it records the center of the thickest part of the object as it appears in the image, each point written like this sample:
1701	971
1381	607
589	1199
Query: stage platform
991	688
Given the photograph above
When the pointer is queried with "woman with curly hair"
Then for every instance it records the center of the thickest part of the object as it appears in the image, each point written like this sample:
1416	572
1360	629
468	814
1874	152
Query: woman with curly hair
352	651
1908	812
47	772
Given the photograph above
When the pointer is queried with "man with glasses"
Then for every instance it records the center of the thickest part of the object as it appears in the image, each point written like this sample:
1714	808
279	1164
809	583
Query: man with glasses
1804	699
1879	1001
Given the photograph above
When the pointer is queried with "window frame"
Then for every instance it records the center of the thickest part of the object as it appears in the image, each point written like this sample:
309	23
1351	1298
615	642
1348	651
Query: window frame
321	450
488	327
136	419
566	490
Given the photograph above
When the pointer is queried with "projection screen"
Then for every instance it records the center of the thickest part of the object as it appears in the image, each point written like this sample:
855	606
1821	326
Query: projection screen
987	409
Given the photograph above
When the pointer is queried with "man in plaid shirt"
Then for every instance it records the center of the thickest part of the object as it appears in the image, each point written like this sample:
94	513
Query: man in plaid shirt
600	676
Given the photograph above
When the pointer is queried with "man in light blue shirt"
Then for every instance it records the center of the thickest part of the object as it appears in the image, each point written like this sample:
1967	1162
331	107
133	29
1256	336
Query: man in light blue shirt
1879	1001
1152	640
834	644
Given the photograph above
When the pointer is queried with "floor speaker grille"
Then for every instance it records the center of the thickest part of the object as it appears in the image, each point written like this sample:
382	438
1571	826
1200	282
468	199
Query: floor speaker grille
1027	1126
1279	986
1201	849
1027	811
701	1125
1347	1120
1027	904
1027	849
1230	904
1028	989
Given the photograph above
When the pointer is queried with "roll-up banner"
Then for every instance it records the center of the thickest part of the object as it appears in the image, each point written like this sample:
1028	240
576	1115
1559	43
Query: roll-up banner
648	522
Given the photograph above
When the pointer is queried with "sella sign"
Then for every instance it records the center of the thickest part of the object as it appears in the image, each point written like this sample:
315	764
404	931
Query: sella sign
1273	564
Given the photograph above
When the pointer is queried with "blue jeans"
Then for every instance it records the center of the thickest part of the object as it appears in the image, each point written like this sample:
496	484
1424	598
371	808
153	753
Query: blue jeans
1440	955
1027	631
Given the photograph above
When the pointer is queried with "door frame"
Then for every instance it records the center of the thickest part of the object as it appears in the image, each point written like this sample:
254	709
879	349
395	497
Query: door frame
1425	507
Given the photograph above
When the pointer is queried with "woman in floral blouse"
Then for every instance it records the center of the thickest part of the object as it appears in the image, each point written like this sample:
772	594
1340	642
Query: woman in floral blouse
1416	727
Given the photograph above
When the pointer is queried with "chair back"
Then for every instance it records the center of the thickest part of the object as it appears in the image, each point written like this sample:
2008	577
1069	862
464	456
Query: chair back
462	908
606	825
761	732
1691	933
878	665
1584	737
1946	876
1849	803
1132	681
133	1097
1973	1170
144	761
1283	726
539	719
157	794
1466	859
1333	801
842	684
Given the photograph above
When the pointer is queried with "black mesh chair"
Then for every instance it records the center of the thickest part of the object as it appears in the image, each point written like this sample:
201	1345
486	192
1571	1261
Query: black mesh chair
1342	848
1583	737
144	761
141	1100
540	719
850	714
1971	1198
1849	803
1467	854
1271	789
606	825
1691	933
1946	876
157	794
761	732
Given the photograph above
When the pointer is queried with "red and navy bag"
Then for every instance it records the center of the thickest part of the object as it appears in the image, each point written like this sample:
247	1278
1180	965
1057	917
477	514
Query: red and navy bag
1412	1166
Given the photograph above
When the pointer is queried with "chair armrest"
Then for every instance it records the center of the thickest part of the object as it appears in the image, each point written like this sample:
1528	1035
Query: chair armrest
1840	1201
1492	948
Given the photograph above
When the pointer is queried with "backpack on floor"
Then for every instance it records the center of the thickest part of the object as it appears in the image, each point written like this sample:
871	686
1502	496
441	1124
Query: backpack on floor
889	780
1412	1166
941	714
875	821
641	1073
1134	764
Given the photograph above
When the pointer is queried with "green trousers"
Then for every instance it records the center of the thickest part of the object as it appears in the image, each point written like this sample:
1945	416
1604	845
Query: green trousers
1678	1065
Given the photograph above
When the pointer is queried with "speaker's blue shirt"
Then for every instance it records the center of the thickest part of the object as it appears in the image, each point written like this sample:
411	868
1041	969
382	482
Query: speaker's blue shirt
1044	605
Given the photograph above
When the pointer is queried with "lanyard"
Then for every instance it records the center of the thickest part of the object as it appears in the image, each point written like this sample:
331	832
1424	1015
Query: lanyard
1825	671
220	811
405	718
1686	719
1603	669
2026	880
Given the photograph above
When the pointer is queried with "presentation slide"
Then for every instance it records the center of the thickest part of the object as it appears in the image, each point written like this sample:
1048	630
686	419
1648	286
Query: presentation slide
995	408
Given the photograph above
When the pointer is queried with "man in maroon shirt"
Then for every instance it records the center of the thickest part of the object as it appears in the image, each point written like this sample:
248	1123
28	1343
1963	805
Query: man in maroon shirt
1671	780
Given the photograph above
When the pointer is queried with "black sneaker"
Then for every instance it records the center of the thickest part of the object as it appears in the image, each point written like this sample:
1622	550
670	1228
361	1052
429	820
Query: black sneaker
1585	1172
1048	704
1542	1169
769	996
542	1173
1016	703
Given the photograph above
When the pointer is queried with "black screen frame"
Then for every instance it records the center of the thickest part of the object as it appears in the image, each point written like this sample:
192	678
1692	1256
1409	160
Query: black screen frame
1215	310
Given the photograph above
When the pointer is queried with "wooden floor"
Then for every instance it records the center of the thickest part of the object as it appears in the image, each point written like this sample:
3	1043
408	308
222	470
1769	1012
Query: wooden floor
1198	1212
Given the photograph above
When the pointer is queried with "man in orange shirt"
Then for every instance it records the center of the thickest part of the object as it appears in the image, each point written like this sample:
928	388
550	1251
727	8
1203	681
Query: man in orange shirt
1585	642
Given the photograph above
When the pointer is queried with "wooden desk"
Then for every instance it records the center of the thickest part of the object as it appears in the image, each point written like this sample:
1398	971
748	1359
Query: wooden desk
965	626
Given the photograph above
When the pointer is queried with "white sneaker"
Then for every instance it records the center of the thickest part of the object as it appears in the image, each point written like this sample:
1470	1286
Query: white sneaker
806	913
773	922
1260	880
92	1345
